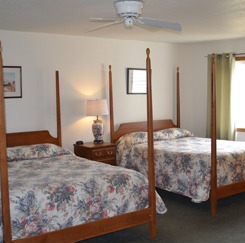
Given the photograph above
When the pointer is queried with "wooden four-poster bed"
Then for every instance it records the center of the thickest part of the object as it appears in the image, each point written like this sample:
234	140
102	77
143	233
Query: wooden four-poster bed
21	152
198	168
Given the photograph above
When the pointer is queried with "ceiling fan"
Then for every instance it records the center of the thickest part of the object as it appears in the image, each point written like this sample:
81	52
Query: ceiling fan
129	12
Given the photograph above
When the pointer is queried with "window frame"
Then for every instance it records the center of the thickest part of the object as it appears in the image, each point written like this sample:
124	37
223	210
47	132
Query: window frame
237	59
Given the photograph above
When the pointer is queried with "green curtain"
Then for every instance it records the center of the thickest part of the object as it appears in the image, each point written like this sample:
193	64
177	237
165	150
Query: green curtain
225	64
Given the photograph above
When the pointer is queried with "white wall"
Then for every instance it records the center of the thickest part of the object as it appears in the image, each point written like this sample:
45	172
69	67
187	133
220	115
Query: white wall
193	75
83	66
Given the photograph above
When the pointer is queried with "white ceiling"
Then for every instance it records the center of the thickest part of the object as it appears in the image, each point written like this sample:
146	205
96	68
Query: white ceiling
201	20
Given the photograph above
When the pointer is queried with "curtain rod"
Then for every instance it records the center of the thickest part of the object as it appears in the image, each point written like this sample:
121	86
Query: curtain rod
239	54
235	54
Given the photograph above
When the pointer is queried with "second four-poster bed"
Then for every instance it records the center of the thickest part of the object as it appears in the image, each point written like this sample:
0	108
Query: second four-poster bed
199	168
21	152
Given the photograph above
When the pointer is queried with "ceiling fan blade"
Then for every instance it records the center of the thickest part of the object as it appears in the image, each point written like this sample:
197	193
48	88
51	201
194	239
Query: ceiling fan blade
159	23
105	25
103	19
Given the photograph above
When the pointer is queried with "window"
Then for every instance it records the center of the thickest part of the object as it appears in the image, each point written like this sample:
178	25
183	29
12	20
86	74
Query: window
238	93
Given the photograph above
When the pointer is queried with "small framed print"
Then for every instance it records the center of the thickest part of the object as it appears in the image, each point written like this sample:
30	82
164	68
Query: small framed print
136	81
12	81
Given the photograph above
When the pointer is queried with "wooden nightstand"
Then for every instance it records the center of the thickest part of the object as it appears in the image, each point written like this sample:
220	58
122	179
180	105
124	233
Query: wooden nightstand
104	152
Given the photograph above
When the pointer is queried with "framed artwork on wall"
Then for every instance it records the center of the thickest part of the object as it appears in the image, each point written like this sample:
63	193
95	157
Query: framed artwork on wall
136	81
12	81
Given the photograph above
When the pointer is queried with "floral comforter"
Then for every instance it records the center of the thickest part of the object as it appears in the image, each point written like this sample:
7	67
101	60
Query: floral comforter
182	161
50	188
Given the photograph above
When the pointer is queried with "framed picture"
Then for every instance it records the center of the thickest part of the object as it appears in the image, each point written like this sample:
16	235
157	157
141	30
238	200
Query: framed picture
12	82
136	81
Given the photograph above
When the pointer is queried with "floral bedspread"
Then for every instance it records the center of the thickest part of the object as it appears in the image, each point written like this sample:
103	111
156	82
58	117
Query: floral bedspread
182	161
51	188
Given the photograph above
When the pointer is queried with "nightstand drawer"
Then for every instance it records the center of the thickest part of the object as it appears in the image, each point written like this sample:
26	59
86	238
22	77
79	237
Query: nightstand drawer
102	153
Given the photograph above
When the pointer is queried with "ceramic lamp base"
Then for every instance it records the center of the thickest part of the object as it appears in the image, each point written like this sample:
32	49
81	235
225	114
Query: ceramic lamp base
98	131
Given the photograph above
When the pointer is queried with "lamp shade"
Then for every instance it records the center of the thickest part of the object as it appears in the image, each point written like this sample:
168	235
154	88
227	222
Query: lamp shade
97	107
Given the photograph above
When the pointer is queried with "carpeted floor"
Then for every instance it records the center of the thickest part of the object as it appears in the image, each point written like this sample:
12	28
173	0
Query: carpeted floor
187	222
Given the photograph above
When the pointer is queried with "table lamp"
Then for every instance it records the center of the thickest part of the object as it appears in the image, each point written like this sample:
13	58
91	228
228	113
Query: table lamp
97	108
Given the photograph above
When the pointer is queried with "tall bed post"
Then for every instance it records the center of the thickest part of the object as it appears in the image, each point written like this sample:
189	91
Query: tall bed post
151	165
58	115
111	105
213	193
151	170
178	97
4	168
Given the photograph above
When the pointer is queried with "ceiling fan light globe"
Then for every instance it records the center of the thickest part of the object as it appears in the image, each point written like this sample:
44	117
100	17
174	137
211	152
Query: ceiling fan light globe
128	22
129	8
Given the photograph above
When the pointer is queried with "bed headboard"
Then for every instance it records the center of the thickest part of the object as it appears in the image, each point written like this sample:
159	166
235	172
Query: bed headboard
28	138
42	136
130	127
